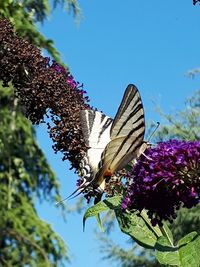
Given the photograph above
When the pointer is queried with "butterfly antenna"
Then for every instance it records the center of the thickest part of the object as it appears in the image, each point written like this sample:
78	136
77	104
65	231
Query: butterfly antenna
156	128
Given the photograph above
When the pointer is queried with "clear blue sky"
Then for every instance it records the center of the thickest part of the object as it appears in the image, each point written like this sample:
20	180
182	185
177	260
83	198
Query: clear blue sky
149	43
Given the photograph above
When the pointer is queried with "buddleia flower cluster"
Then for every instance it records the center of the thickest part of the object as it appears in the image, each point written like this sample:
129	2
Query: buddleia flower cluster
165	180
44	87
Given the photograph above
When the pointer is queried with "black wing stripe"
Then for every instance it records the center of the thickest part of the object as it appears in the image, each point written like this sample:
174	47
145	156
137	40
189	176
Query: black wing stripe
131	116
105	126
87	118
129	110
126	101
129	98
94	123
127	131
138	134
102	117
139	128
139	137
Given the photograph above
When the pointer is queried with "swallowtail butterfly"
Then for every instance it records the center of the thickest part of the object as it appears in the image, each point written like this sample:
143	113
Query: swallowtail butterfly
113	144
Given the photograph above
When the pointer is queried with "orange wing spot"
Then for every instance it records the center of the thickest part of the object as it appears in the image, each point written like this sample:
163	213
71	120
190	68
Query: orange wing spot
107	173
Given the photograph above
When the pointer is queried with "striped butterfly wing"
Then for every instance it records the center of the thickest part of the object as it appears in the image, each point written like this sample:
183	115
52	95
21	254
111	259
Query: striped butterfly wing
127	132
96	131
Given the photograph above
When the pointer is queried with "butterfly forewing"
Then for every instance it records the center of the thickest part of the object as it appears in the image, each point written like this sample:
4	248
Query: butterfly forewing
127	131
130	113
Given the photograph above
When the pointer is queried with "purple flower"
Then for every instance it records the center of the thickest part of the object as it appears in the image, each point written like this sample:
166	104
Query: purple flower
69	78
167	179
59	68
71	81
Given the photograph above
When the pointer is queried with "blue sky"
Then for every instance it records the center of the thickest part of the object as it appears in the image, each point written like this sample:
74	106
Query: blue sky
149	43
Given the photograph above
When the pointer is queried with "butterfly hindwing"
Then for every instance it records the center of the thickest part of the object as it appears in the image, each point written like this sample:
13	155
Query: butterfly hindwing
96	131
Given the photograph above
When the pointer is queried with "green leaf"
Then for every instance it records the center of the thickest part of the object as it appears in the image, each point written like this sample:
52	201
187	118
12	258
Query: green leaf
94	211
189	250
135	226
145	217
185	254
25	178
99	222
105	205
167	233
166	252
114	202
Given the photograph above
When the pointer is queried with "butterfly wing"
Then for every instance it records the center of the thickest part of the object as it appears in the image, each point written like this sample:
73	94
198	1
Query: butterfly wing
127	132
96	131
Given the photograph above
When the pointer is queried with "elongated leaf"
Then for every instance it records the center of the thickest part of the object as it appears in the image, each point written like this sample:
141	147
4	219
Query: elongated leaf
189	250
167	233
135	226
155	229
94	211
113	202
166	252
99	222
185	254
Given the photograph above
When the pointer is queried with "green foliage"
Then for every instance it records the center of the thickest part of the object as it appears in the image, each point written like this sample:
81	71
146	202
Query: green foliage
71	5
24	174
139	228
185	254
184	125
136	256
186	222
27	240
166	252
20	155
24	14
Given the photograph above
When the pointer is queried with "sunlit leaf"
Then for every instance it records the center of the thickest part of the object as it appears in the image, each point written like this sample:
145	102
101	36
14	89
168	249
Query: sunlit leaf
166	252
189	250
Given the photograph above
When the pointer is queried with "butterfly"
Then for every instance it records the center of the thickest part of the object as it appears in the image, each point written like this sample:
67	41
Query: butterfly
113	143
